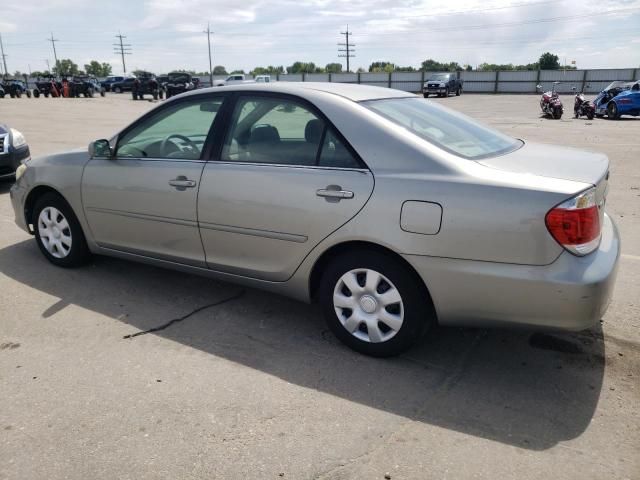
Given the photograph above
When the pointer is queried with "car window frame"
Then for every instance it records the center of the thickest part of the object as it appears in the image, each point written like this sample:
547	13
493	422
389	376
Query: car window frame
210	138
232	102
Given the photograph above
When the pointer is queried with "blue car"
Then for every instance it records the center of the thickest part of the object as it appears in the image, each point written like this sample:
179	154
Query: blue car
619	98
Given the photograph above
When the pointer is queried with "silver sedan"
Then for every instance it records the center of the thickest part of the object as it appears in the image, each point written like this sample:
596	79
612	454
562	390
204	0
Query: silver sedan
392	212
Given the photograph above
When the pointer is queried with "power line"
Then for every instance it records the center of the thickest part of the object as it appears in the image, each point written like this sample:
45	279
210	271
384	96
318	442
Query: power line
209	33
122	49
346	52
4	57
55	54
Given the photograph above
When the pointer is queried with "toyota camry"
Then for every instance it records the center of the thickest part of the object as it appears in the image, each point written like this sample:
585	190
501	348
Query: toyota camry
391	211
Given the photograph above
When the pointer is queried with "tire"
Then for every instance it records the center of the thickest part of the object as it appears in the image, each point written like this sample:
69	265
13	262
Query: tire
458	92
411	316
117	90
557	113
169	93
36	93
446	93
612	111
425	95
56	210
161	94
590	115
46	94
102	94
90	93
134	95
155	95
19	94
28	93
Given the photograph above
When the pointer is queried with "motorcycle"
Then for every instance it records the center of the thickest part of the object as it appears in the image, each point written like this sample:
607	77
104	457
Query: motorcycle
582	106
550	102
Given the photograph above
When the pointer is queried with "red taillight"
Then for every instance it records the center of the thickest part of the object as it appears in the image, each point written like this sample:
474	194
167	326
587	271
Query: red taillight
575	224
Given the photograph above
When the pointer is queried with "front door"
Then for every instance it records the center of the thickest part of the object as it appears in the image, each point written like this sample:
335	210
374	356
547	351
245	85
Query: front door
284	181
143	200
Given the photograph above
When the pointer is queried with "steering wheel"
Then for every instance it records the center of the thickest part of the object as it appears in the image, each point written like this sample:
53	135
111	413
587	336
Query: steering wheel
167	141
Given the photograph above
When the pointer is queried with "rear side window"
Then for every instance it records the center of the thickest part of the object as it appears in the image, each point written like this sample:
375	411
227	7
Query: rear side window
283	132
444	128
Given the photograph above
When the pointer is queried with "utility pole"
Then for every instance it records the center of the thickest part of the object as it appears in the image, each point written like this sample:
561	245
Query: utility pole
48	67
348	51
55	54
4	57
209	33
122	49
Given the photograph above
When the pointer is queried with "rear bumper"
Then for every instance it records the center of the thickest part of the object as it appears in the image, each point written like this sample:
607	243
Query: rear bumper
572	293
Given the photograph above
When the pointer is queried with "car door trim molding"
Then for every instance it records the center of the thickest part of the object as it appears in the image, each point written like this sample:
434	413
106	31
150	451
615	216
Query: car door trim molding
288	237
144	216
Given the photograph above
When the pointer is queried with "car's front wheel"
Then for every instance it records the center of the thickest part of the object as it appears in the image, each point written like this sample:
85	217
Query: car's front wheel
374	304
612	111
58	232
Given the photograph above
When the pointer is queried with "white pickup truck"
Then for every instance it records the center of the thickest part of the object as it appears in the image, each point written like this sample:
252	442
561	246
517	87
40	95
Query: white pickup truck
239	78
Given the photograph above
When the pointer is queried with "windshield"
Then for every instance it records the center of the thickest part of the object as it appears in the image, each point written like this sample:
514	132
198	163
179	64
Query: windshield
440	76
448	130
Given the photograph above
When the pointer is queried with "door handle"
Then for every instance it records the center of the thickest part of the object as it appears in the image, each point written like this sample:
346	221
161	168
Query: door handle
334	193
181	182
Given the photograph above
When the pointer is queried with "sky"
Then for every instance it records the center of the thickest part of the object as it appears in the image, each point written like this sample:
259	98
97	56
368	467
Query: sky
168	34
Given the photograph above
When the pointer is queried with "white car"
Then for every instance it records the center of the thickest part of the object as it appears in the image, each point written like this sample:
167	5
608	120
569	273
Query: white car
240	79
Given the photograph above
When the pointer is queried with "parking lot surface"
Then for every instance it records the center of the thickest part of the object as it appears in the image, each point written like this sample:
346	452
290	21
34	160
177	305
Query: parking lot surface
257	388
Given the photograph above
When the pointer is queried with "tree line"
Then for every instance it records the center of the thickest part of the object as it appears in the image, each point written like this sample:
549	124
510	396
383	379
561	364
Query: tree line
547	61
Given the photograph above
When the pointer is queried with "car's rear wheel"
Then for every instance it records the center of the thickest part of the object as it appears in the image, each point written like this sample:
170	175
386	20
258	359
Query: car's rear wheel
374	304
612	111
117	90
36	92
58	232
458	92
426	95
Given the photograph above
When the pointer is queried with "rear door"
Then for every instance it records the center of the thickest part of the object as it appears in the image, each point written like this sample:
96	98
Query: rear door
283	180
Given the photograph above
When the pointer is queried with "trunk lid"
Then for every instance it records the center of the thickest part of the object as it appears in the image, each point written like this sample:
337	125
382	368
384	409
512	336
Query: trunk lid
558	162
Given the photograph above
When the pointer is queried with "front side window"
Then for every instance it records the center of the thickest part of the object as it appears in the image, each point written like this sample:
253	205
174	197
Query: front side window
176	132
444	128
284	132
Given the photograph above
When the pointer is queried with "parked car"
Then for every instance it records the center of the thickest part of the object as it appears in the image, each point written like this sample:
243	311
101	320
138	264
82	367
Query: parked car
15	88
13	151
146	84
234	79
180	82
110	80
125	85
619	98
442	84
393	212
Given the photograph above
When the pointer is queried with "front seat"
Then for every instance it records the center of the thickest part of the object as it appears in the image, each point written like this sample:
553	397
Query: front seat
263	143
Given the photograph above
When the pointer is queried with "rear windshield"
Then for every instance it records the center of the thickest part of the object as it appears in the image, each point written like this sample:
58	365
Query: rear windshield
449	130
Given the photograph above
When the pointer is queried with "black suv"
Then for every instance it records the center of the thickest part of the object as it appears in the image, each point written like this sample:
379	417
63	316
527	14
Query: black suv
109	81
86	86
125	85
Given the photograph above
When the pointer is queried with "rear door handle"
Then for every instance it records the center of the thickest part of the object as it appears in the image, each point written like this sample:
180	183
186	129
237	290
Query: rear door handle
181	182
334	193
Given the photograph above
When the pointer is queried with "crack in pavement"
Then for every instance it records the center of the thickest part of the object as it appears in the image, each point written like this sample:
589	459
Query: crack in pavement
184	317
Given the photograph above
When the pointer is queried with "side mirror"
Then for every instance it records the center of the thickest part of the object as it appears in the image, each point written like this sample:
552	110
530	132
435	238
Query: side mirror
101	149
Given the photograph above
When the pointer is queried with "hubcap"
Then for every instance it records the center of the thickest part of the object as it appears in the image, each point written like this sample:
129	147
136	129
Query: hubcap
368	305
54	231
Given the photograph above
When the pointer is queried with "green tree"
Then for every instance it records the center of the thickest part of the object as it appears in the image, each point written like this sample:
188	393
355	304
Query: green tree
304	67
433	65
404	69
66	67
98	69
238	72
549	61
380	67
270	70
219	70
333	68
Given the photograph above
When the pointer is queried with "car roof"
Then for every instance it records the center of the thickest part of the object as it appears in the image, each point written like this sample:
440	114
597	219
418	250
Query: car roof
351	91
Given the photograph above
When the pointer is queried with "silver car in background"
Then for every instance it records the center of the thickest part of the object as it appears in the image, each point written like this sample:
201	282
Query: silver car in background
392	212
